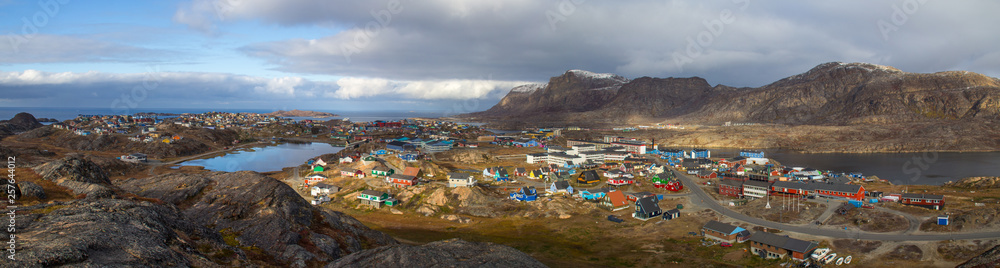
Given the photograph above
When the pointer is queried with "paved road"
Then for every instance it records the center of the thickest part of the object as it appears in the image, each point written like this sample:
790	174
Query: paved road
702	198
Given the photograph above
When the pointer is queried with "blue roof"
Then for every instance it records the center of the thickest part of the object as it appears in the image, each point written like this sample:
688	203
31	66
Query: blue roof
737	230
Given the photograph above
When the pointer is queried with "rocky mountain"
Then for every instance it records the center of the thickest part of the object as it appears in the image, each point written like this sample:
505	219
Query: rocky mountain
19	123
832	93
574	91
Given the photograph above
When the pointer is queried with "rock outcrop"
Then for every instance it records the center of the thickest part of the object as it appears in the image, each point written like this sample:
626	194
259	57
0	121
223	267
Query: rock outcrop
990	258
261	213
19	123
79	175
116	232
27	188
447	253
976	183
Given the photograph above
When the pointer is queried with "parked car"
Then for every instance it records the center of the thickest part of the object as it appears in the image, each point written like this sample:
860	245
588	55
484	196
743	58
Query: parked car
726	244
615	219
693	233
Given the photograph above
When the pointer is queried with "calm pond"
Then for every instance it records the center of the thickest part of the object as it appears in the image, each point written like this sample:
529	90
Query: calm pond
898	168
263	159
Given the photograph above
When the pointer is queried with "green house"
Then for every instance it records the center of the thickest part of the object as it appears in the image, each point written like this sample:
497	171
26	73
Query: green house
391	201
374	198
372	195
318	169
382	171
662	178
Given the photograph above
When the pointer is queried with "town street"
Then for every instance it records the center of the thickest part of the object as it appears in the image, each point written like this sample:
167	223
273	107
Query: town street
700	197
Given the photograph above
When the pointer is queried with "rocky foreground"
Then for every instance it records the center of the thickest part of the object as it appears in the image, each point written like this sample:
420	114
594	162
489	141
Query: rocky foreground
216	219
447	253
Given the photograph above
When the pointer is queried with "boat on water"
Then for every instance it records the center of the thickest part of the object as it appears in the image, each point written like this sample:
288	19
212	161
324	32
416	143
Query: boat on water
830	258
819	253
847	260
840	260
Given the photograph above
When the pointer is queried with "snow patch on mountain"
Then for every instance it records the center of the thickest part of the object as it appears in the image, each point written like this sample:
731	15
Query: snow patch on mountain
602	76
528	88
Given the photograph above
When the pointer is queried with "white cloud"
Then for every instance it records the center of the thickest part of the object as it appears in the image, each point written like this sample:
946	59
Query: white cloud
351	88
534	40
170	88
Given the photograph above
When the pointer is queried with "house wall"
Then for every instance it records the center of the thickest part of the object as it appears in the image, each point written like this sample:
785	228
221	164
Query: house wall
730	191
754	192
712	234
772	251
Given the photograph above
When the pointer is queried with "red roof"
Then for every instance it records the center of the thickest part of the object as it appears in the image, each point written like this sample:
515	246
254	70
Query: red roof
617	198
411	171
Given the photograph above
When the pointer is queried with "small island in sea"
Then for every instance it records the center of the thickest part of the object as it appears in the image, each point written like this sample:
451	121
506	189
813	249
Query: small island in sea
300	113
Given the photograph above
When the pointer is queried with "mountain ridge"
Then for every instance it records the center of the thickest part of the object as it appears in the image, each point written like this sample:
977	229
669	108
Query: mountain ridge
833	93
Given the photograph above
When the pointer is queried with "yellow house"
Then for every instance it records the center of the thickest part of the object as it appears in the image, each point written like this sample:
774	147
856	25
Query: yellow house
166	140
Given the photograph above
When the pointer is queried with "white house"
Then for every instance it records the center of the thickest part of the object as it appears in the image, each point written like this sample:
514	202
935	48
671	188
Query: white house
537	158
323	189
320	200
456	179
346	159
315	178
757	161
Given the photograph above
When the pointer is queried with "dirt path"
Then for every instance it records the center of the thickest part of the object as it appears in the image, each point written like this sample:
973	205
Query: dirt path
913	220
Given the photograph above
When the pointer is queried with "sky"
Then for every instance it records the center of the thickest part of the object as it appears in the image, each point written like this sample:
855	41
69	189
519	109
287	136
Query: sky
449	55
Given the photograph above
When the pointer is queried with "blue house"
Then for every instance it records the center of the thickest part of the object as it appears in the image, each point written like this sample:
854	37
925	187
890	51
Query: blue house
647	208
594	194
501	175
673	153
561	187
700	153
525	194
380	152
752	153
410	157
399	146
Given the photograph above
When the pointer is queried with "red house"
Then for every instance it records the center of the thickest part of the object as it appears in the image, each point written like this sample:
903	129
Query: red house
844	191
620	181
931	201
401	180
636	196
732	188
672	186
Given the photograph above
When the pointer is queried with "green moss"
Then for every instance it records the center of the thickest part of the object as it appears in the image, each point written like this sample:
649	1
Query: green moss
48	209
230	237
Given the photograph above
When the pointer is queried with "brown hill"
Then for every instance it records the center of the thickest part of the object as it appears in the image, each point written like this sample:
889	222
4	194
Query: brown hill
19	123
300	113
830	94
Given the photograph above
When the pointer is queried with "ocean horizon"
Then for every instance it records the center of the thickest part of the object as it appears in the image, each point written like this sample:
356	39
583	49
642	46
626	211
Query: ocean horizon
67	113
